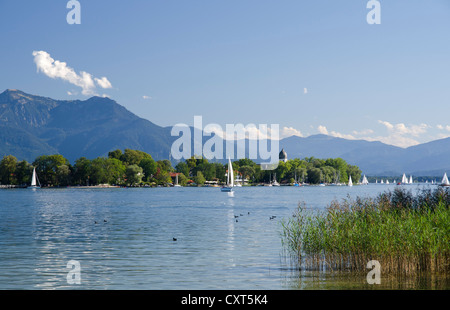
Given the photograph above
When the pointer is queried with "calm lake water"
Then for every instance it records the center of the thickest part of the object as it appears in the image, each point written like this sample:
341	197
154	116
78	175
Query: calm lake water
42	230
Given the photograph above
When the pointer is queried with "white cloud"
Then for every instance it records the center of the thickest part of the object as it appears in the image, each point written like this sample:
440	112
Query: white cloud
397	134
341	135
103	82
56	69
363	132
401	134
402	129
250	131
323	130
395	139
388	125
146	97
290	131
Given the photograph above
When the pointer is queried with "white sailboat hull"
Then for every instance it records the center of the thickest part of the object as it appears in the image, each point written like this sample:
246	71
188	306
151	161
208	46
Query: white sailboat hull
230	178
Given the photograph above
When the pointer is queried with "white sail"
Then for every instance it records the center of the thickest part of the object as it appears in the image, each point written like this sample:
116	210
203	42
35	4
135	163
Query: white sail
33	178
230	174
404	179
364	180
350	183
387	181
410	180
445	180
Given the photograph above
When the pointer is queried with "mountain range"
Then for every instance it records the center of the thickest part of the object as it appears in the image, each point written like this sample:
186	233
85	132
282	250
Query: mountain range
31	126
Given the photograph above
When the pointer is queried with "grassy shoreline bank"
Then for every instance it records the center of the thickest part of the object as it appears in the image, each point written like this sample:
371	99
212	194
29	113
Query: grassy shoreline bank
408	234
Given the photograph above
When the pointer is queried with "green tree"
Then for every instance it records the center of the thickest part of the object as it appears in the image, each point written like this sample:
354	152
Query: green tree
165	165
328	174
247	172
133	157
355	172
7	170
46	168
192	163
24	171
301	173
63	175
107	171
134	174
199	179
117	154
149	168
182	179
315	175
82	171
221	170
340	166
283	170
183	168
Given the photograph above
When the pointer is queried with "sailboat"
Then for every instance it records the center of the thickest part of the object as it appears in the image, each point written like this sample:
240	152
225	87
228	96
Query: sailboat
365	181
34	180
410	179
270	181
445	181
176	181
404	179
295	179
350	183
230	178
275	183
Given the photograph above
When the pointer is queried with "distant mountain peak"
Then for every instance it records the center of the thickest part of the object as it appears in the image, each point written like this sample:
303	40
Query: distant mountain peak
34	125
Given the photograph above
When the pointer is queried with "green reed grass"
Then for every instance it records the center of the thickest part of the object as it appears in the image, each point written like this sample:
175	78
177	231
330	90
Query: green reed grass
406	233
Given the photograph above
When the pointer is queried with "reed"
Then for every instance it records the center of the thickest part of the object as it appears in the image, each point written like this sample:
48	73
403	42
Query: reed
407	233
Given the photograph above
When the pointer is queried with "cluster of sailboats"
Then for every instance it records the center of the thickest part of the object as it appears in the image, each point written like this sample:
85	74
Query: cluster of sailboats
230	180
405	180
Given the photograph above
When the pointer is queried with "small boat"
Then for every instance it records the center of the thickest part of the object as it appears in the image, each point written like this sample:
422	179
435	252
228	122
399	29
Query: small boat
445	180
350	182
34	180
230	178
365	181
275	183
410	179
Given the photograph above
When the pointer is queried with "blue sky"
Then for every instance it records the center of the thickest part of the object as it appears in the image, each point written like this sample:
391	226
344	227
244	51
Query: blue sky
310	66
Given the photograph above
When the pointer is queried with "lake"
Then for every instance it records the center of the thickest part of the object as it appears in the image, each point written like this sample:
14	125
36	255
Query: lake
123	238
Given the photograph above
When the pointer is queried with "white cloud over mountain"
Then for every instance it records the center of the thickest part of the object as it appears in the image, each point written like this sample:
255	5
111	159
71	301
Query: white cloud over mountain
56	69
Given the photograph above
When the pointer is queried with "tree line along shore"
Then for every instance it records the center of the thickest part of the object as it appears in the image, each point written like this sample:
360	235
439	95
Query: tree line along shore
137	168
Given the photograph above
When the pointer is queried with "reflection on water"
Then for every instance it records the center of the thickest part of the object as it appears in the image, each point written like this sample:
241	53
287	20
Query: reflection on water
124	238
346	281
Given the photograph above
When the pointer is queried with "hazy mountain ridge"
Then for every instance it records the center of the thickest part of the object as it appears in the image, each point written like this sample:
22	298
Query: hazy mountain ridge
33	125
89	128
